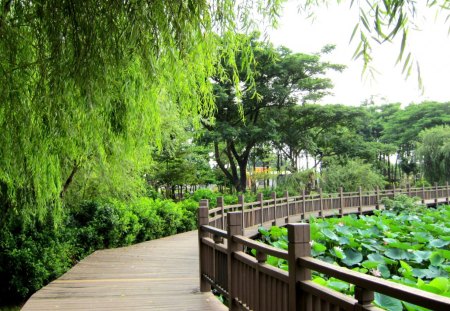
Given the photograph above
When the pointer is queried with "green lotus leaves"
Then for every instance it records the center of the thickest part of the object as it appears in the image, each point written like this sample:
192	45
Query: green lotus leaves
384	271
410	248
388	303
438	243
396	253
352	257
436	259
330	234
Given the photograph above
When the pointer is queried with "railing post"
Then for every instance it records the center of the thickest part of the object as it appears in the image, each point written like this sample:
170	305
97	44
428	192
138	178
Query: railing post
298	246
436	193
303	203
233	228
274	198
377	193
320	202
220	203
242	202
261	205
203	219
261	258
360	201
423	194
341	201
286	194
364	298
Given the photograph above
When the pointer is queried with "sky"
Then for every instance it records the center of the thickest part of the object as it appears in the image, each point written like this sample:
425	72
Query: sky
334	25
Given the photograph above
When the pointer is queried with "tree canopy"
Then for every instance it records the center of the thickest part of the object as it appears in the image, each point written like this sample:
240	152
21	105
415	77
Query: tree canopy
84	83
434	152
282	79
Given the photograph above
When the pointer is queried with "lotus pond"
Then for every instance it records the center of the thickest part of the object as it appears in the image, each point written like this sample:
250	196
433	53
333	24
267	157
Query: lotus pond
410	247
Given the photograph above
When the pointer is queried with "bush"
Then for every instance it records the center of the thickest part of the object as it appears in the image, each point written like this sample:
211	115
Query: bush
207	194
152	226
104	225
31	255
230	199
402	202
189	220
170	214
280	192
350	176
422	183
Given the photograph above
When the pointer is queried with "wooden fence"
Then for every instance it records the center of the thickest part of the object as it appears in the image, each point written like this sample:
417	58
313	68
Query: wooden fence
282	210
249	283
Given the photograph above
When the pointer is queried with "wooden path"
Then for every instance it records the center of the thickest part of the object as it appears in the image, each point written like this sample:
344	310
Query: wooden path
161	274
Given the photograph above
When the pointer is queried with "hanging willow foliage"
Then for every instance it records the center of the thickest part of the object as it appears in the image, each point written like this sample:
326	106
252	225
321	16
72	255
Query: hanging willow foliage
433	150
79	79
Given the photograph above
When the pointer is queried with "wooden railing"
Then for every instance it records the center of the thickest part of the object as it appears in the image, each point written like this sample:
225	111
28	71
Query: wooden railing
282	210
249	283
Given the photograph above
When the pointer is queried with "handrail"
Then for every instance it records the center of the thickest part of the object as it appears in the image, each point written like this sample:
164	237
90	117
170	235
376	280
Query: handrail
215	231
399	291
319	205
261	247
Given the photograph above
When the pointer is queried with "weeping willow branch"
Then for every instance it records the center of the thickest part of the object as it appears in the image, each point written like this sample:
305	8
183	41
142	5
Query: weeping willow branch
90	77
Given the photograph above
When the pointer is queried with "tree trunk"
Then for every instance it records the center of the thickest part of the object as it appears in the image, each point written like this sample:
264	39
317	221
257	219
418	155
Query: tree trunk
69	180
243	178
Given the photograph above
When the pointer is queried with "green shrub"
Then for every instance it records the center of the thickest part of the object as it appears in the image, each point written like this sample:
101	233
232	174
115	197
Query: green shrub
402	203
152	226
105	225
31	255
350	176
189	211
171	216
230	199
280	192
422	183
207	194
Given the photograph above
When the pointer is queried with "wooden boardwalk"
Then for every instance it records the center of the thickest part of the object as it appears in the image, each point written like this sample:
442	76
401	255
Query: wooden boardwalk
161	274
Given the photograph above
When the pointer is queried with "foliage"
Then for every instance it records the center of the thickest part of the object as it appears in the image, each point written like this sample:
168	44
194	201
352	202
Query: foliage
281	80
350	176
413	119
408	247
434	152
83	86
382	21
422	183
31	256
320	130
34	254
296	181
403	203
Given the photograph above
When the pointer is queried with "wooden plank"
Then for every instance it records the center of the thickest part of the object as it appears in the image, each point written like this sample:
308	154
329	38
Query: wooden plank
156	275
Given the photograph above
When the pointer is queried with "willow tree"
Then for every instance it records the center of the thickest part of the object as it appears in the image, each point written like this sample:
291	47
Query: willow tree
80	81
434	153
83	82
